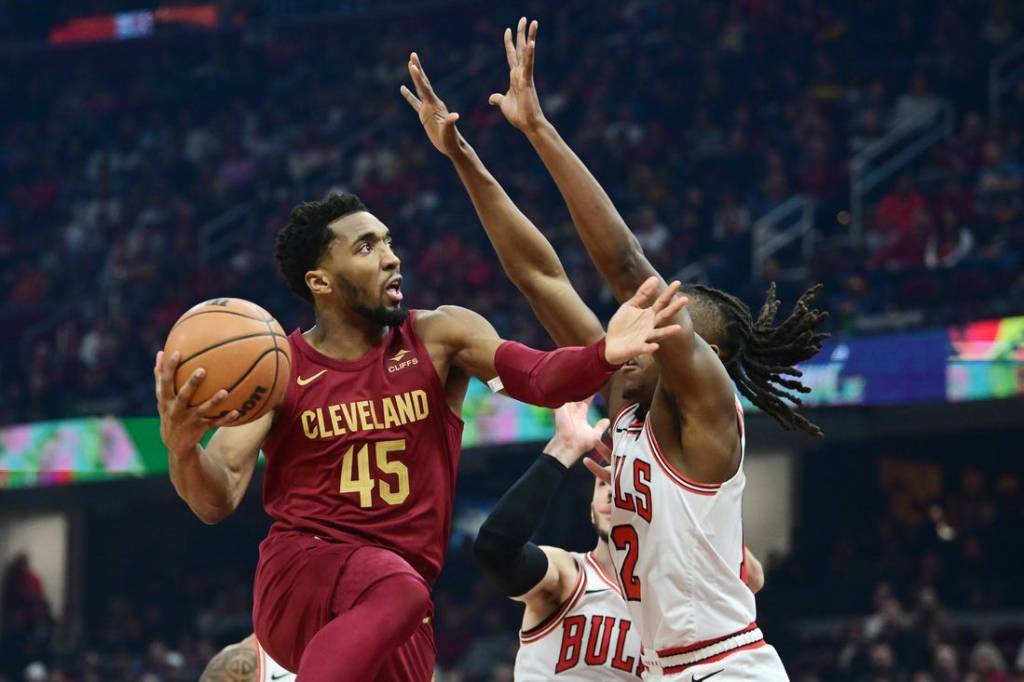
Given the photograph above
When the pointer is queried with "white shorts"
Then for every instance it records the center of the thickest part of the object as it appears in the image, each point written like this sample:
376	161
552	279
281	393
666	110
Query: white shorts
269	670
761	664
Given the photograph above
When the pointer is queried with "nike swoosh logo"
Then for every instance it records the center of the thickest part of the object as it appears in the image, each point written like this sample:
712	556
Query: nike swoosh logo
700	679
279	676
302	382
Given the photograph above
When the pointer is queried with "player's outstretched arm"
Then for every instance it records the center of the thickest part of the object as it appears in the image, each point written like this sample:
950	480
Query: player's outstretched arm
611	245
689	369
525	254
542	577
211	480
552	378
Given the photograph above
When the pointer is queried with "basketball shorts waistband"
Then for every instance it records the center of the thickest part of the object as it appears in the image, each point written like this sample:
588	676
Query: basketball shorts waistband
677	659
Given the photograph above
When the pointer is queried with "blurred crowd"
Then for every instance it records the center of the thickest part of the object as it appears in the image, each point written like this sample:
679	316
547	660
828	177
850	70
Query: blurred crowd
908	572
698	117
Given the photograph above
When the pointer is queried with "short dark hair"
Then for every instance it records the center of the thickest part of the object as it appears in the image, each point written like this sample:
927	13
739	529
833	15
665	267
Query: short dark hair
303	241
759	354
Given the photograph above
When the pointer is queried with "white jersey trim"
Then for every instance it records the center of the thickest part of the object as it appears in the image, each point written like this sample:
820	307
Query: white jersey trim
605	578
547	626
672	661
676	476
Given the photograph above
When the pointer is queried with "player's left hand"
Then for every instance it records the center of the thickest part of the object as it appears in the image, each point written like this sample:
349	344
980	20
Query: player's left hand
438	122
638	325
574	435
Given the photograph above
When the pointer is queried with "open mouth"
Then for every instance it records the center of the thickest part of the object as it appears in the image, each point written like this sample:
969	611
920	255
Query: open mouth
630	366
393	289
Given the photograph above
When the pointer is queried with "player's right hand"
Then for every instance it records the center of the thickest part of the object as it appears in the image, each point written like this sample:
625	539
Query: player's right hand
520	104
181	426
574	435
638	325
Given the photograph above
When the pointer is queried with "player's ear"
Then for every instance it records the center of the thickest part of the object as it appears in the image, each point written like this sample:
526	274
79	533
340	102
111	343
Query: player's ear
318	282
714	347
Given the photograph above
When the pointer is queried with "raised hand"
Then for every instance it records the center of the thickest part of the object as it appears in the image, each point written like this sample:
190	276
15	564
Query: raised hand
438	122
520	104
181	426
574	435
638	325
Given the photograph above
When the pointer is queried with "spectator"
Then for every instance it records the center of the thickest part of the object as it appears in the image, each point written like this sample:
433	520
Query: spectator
988	664
950	245
917	106
26	620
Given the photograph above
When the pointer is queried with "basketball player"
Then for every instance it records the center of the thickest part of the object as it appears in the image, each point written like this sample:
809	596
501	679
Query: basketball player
245	661
362	452
678	436
576	625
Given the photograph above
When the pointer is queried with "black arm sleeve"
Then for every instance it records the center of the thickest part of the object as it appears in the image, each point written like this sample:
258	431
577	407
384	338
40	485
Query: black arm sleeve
503	545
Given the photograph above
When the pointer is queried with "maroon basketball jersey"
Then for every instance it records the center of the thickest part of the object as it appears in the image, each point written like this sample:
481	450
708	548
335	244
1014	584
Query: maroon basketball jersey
365	451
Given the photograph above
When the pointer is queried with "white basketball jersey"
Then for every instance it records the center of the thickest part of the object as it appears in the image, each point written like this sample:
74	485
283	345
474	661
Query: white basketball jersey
590	638
269	670
678	548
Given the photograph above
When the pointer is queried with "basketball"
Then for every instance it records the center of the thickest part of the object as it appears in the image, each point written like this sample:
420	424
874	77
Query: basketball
243	350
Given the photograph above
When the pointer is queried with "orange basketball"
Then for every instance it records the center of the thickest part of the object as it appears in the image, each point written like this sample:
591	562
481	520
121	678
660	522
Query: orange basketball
243	350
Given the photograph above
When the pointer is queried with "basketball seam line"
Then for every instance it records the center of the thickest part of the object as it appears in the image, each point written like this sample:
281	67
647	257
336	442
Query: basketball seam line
223	312
233	386
226	342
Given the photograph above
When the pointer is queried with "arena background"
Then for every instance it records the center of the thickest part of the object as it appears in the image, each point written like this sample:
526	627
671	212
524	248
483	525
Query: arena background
149	154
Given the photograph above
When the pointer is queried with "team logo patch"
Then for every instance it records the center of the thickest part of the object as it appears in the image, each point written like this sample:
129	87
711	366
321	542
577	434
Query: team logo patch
401	362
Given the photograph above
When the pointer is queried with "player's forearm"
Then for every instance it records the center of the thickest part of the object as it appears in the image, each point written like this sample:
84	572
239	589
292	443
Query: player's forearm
503	545
552	378
525	254
529	260
204	484
613	248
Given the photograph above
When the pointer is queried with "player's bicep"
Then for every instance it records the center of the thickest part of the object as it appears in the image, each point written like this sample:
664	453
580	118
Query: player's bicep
628	272
471	341
568	320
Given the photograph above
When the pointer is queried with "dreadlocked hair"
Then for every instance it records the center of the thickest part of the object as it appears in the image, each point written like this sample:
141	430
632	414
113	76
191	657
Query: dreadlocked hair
759	356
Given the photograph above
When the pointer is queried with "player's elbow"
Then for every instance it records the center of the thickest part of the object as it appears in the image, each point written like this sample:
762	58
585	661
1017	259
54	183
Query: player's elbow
210	515
628	267
489	548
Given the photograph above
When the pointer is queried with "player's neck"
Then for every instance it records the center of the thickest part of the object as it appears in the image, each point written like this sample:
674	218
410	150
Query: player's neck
344	337
603	555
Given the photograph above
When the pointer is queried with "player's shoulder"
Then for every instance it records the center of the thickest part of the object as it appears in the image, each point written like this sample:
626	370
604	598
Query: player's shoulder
447	322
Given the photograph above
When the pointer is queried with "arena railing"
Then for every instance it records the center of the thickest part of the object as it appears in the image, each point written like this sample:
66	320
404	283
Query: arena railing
1005	71
882	159
788	222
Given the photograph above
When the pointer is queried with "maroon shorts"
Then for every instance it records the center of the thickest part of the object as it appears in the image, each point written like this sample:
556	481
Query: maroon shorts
303	582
